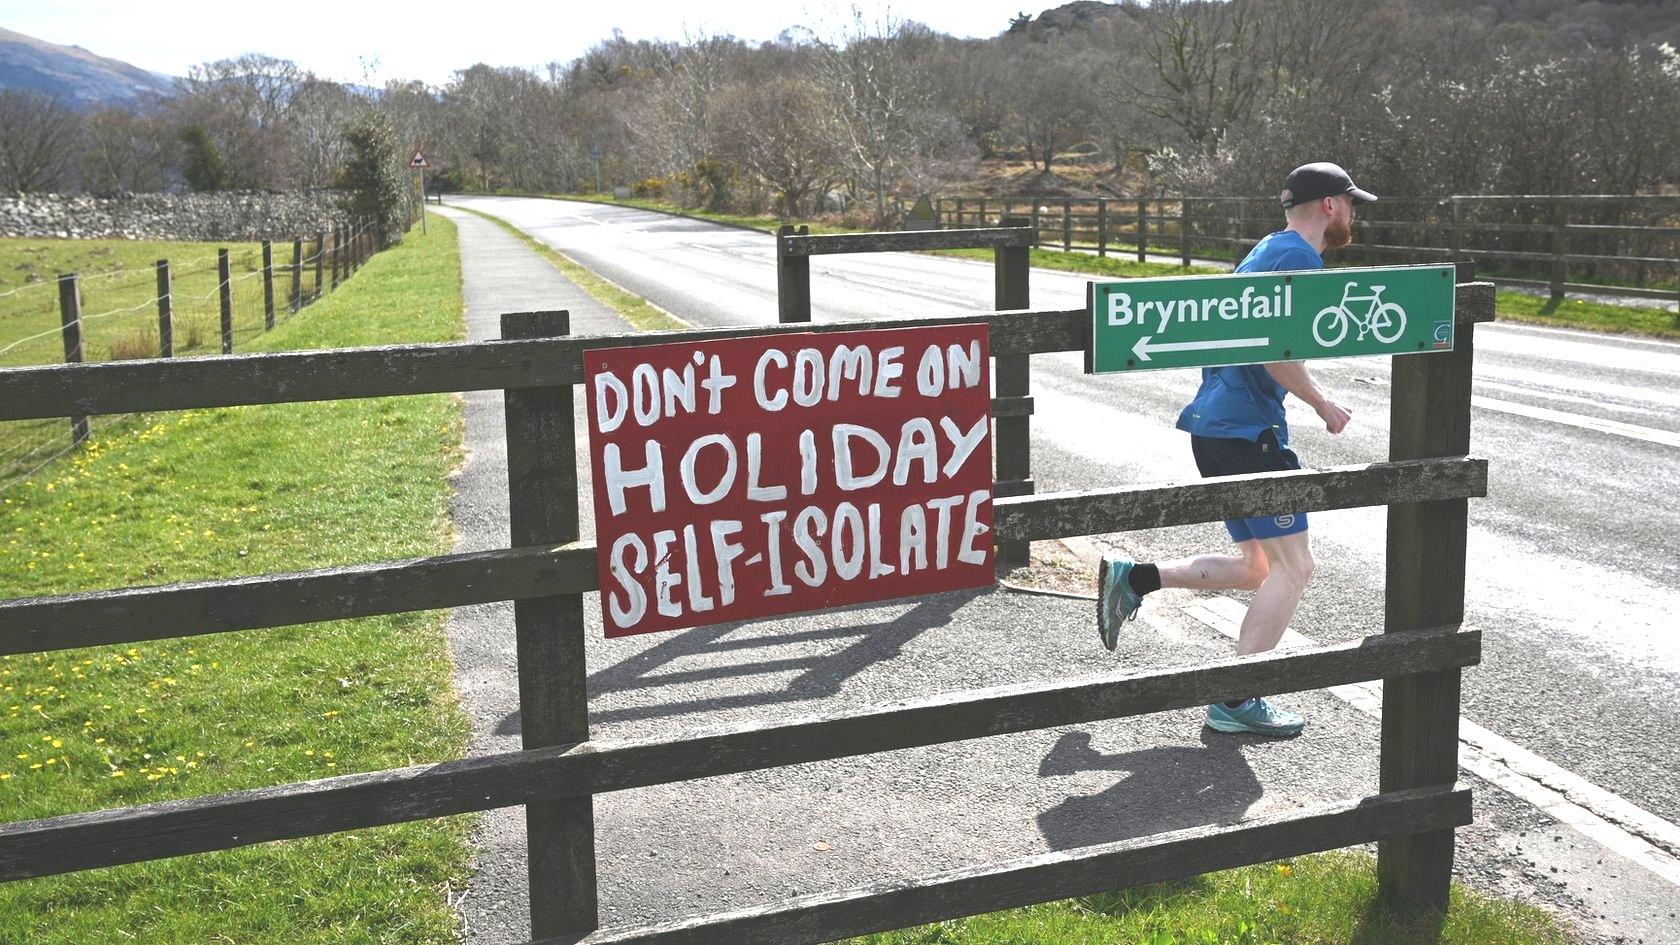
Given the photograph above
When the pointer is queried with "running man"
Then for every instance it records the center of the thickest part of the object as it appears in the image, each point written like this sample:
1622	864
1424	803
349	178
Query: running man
1236	426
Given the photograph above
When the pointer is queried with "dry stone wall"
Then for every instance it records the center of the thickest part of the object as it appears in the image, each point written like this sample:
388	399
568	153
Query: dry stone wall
231	216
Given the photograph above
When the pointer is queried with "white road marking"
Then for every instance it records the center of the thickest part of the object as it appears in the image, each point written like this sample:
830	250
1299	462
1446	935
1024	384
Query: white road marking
1618	825
1615	427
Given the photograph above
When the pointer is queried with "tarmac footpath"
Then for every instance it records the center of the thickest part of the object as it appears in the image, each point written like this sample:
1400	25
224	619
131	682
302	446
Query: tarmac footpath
728	842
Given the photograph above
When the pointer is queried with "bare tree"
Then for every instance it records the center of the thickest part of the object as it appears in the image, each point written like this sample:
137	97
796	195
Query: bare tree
38	137
1050	89
243	104
319	114
125	151
1205	68
769	129
875	86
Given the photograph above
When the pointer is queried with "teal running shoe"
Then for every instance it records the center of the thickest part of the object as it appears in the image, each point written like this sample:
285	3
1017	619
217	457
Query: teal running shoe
1257	716
1116	601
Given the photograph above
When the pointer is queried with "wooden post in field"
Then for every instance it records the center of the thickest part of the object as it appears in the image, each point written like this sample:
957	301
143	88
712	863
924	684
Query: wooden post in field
1067	225
70	318
793	278
296	301
1102	227
553	689
959	213
337	245
1456	235
1143	229
225	288
320	253
1013	378
166	311
268	285
938	213
1429	416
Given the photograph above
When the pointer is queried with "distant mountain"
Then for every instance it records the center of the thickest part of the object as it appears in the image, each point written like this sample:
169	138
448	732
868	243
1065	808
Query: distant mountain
73	74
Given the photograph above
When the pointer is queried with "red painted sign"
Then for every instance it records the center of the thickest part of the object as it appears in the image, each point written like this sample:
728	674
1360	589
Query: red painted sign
748	477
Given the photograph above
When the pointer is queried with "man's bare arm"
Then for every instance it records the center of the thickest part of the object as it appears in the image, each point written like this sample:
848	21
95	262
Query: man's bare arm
1296	379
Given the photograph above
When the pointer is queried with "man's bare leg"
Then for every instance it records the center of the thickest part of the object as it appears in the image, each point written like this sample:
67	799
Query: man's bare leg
1244	572
1290	563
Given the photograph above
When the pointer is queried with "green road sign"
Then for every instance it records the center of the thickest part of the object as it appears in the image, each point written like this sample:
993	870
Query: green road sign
1208	321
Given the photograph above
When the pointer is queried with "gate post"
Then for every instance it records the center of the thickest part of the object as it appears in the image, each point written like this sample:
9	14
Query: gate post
553	687
70	327
793	279
1012	376
1429	416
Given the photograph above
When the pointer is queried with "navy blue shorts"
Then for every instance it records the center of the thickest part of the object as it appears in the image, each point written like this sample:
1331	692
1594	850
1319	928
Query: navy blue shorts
1222	456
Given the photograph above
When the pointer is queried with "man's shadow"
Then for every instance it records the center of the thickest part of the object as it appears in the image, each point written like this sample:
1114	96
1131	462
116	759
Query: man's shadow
1169	787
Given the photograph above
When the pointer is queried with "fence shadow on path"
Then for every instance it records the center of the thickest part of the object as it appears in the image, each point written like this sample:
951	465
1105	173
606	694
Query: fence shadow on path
822	673
1168	787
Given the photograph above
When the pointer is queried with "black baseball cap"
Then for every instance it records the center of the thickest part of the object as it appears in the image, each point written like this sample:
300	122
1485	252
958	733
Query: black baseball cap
1323	179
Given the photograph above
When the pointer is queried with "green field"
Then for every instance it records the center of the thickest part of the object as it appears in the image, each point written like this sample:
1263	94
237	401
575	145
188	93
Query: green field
226	492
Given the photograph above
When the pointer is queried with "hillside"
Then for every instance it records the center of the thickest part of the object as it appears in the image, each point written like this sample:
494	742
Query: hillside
73	74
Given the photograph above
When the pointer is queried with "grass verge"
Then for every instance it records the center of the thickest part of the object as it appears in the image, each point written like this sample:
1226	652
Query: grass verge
639	312
1328	899
1588	315
213	493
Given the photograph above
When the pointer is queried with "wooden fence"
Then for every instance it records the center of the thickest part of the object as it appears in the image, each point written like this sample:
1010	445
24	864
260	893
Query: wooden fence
1011	243
1606	245
245	305
1425	485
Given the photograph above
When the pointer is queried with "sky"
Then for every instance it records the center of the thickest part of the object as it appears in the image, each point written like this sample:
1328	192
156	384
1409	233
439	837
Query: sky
405	40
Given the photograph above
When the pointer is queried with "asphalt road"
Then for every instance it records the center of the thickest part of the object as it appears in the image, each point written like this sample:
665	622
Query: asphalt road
1573	574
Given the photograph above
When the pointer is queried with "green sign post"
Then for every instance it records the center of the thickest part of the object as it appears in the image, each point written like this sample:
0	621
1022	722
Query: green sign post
1210	321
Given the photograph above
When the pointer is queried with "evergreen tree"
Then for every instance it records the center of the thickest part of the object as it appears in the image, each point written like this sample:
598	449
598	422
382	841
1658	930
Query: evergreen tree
372	177
202	165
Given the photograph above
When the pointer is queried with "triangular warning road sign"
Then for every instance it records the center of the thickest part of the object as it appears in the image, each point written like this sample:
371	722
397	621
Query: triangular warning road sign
418	160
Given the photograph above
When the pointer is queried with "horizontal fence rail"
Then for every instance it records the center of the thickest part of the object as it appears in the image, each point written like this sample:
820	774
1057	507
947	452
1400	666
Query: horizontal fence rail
219	822
1001	237
135	614
1079	872
351	373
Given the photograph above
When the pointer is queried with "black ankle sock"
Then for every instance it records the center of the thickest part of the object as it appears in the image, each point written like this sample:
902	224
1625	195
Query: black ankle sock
1235	705
1144	579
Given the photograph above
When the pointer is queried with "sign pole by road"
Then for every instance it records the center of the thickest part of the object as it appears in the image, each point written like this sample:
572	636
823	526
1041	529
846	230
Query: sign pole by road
418	162
1212	321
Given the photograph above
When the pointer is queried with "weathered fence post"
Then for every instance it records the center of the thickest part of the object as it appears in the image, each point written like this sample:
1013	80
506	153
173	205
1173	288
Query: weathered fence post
938	213
225	290
1456	237
1143	229
1067	225
268	285
793	278
166	311
70	317
959	217
1429	416
553	687
337	242
1184	231
320	253
1237	229
296	301
1013	379
1102	227
1560	242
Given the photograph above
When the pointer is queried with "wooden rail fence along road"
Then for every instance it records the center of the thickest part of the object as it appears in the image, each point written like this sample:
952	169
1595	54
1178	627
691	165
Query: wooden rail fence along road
1616	245
546	573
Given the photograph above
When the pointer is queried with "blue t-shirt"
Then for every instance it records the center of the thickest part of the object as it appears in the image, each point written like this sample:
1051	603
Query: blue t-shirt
1243	402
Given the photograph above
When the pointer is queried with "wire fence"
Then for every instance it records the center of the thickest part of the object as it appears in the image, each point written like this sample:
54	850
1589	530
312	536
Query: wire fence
208	304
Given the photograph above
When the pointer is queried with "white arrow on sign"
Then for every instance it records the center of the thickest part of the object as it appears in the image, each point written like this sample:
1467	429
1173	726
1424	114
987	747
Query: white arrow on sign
1143	347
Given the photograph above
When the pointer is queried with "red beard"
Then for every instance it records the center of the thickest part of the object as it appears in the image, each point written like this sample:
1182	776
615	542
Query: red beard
1338	233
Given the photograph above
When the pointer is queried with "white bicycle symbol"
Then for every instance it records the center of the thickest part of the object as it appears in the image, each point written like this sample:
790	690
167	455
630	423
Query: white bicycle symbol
1385	320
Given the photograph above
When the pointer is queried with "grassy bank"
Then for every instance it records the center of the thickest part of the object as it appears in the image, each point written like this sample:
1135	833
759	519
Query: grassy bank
1316	900
223	492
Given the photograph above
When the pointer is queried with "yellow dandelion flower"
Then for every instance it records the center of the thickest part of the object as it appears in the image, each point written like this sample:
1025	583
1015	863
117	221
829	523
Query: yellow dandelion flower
58	743
5	775
34	766
309	751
